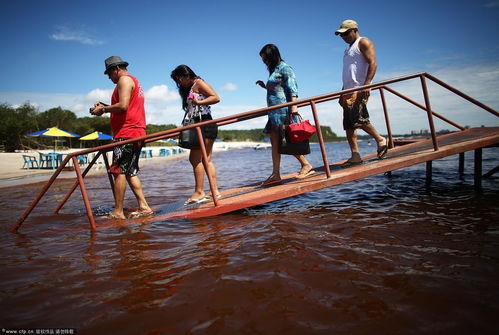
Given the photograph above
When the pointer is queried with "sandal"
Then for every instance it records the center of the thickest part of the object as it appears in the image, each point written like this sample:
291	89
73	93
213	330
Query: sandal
304	175
112	216
348	164
201	200
140	214
382	150
210	198
271	180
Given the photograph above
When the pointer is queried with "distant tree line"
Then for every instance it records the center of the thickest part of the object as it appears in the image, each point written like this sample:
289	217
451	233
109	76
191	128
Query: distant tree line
16	122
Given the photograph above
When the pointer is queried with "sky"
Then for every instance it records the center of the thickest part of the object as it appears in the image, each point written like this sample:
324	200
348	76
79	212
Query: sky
53	53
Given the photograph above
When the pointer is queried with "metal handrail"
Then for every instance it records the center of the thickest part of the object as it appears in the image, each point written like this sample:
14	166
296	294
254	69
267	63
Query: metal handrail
311	101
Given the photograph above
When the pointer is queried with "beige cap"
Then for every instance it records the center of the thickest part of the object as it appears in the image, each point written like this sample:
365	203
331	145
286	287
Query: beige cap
347	25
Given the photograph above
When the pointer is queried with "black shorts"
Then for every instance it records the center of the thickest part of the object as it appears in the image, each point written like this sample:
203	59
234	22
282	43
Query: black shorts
210	131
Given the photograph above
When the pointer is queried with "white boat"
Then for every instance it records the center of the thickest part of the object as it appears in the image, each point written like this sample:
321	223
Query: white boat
262	146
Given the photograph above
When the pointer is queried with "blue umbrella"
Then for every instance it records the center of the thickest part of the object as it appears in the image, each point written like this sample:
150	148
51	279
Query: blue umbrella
53	132
96	135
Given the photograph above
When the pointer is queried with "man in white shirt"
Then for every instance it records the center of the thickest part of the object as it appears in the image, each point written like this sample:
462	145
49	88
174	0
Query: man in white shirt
359	68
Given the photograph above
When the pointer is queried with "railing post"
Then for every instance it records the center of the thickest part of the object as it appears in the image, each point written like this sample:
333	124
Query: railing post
83	190
321	139
73	188
429	112
211	179
387	118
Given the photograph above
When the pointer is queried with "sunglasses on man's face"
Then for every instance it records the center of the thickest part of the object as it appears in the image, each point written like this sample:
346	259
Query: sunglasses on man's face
345	33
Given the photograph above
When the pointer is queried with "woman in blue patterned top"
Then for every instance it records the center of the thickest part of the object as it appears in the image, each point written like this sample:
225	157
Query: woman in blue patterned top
281	88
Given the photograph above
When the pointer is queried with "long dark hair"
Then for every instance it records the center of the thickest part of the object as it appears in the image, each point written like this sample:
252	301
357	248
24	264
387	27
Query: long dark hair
183	71
271	53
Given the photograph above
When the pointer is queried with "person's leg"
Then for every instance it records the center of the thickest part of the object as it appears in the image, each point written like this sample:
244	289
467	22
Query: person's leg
354	147
380	140
211	166
368	128
276	158
136	187
119	194
195	158
306	167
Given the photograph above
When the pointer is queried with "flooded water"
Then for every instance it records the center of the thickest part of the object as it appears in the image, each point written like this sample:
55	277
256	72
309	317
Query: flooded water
383	255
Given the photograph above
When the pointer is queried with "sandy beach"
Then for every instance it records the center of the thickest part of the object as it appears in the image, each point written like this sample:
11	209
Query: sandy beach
12	172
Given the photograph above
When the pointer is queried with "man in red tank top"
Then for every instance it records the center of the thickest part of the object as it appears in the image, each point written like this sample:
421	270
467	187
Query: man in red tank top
127	121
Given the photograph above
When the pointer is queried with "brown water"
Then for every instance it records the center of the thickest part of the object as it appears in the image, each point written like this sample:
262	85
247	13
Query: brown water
384	255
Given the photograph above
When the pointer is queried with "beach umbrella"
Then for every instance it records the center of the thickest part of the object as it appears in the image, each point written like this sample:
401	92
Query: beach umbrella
96	135
52	132
169	140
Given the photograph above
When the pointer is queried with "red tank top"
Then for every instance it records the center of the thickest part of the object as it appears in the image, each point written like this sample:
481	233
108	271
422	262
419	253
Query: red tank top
132	123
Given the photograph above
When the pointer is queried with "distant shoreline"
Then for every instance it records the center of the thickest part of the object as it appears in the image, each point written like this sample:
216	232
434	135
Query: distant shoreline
12	173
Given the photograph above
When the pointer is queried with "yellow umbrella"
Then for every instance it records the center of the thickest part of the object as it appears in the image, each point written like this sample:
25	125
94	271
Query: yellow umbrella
53	132
96	135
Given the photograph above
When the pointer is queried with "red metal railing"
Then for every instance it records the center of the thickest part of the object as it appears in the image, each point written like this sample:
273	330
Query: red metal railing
312	102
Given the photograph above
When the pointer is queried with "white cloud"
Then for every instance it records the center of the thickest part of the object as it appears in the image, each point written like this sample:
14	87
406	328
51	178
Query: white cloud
64	33
98	95
229	87
161	93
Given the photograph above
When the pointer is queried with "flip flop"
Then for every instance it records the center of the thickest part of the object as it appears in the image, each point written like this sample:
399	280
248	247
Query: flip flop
139	214
271	182
348	164
191	201
210	198
382	150
305	175
113	217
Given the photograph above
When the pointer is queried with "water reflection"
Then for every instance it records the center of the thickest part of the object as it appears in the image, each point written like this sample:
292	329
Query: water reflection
380	255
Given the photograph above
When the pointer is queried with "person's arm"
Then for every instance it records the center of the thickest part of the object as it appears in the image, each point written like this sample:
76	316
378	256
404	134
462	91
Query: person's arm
294	108
261	84
125	88
290	87
211	97
367	49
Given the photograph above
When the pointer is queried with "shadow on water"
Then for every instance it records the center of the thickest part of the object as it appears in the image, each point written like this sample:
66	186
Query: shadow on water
382	255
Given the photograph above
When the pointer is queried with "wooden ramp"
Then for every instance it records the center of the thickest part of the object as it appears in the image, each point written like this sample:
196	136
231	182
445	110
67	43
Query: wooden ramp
399	157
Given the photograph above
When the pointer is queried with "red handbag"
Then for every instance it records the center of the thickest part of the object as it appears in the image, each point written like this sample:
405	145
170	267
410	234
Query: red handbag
300	131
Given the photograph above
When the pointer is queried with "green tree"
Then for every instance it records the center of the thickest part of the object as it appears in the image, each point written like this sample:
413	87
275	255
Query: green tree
327	134
154	128
16	122
86	125
57	117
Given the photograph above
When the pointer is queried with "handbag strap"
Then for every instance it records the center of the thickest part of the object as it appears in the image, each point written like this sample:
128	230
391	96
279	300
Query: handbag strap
291	121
